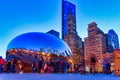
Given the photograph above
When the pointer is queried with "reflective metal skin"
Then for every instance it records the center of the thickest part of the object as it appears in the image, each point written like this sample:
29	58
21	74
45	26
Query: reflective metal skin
42	42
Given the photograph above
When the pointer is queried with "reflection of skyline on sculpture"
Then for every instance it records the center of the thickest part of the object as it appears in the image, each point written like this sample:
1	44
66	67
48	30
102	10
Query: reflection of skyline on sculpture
40	42
17	17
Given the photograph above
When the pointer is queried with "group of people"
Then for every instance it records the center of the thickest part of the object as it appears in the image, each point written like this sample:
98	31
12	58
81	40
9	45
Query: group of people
7	66
42	66
106	67
80	68
51	66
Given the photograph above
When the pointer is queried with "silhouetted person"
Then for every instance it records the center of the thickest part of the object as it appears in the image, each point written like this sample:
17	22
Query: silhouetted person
1	63
33	67
12	67
8	66
40	65
108	68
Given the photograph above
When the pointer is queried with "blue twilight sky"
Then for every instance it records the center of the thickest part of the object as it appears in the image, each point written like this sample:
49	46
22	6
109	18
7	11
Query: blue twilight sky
21	16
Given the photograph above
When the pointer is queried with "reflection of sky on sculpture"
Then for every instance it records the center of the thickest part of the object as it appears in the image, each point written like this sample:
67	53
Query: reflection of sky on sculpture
37	41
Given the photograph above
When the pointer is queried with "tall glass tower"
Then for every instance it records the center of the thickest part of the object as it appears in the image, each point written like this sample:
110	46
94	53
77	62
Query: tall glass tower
67	9
113	40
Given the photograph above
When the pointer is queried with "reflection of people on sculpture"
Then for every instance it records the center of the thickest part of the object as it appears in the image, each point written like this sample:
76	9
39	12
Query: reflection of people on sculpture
33	67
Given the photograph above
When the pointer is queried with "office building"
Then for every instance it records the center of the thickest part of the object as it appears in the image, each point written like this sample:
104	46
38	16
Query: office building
113	41
67	9
95	44
69	32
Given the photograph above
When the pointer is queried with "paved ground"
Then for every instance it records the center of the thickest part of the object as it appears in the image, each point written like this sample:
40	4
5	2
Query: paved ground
30	76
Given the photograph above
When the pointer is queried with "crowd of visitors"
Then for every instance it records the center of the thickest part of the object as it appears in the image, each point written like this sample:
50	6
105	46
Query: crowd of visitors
106	66
52	66
43	66
7	66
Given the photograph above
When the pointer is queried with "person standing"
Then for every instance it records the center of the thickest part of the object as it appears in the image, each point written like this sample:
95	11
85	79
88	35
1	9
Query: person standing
33	67
8	66
12	67
108	67
1	64
40	65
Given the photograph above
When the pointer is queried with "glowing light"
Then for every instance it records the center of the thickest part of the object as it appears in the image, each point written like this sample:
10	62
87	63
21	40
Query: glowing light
99	61
31	51
43	53
48	54
19	61
70	60
21	72
26	51
12	53
20	66
37	52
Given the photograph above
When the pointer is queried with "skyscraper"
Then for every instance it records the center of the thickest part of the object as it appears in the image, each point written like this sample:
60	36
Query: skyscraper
69	32
113	41
67	9
95	44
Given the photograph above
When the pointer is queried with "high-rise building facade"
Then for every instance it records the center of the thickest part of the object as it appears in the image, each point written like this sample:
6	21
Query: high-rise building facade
69	33
67	9
86	53
113	41
95	44
75	43
117	61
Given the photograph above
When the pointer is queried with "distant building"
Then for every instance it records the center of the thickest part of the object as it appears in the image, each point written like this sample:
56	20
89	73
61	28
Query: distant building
67	9
113	41
86	52
83	47
107	47
95	44
53	32
116	61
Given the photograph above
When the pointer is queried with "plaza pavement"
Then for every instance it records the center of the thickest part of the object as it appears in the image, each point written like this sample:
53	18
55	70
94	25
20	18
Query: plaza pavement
36	76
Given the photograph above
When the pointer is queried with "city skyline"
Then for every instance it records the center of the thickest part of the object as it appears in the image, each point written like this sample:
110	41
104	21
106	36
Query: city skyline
18	18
